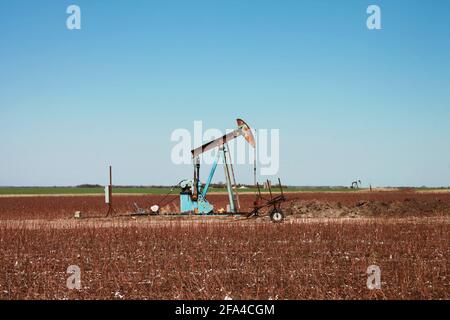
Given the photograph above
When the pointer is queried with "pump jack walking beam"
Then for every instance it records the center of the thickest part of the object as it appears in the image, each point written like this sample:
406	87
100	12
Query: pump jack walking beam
242	130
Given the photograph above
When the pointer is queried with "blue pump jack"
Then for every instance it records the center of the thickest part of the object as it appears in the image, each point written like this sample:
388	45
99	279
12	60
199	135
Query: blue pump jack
193	195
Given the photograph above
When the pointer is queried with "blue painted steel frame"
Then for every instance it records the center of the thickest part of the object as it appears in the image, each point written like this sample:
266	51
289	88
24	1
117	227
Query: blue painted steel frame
211	174
202	206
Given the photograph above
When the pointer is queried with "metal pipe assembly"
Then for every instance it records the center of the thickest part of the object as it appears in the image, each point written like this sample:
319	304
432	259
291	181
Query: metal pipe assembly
193	194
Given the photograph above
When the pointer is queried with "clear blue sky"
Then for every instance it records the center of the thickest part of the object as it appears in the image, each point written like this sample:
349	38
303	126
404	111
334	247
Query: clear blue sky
350	103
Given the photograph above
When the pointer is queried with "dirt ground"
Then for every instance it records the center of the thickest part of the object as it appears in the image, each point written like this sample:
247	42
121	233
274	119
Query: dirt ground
302	205
319	258
321	251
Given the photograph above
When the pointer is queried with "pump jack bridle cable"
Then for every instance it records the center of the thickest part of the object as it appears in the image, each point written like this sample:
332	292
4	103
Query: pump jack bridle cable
168	194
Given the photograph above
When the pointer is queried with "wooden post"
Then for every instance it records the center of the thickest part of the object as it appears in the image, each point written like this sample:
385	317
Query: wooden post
108	196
